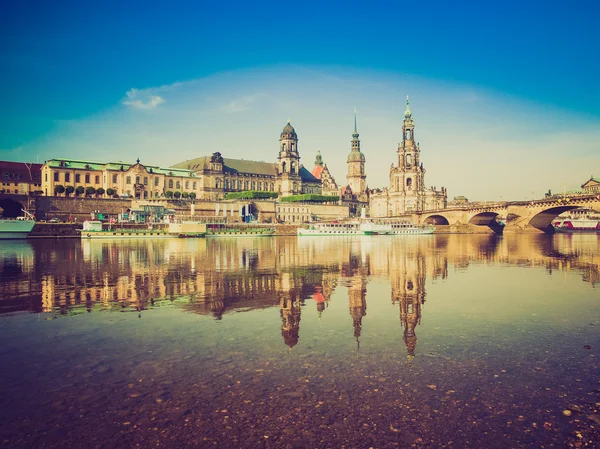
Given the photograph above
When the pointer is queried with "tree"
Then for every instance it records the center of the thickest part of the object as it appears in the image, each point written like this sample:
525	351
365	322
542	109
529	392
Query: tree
110	192
169	194
177	195
59	189
193	195
90	190
70	190
185	195
100	191
79	190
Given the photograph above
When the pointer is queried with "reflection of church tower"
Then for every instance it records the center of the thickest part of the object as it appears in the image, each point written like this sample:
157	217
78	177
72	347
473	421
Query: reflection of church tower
408	289
290	319
357	297
289	161
356	165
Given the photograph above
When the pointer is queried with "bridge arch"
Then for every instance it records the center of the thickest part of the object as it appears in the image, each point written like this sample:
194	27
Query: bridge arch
436	219
543	220
484	218
11	208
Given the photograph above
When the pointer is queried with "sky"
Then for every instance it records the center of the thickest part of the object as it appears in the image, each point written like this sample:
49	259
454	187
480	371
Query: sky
505	95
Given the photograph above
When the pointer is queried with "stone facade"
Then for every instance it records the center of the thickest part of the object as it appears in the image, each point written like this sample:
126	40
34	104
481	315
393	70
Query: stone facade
286	177
407	192
592	185
132	180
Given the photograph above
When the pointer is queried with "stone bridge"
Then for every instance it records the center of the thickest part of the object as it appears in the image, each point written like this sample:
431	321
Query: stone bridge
11	205
536	215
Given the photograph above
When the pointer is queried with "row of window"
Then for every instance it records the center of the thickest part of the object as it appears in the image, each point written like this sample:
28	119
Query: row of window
138	180
293	218
247	185
292	210
15	176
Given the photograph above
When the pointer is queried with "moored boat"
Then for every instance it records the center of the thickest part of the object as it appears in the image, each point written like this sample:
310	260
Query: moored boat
232	230
93	229
406	228
364	228
17	228
577	225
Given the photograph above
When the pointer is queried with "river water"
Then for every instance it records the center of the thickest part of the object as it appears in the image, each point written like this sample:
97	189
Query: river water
463	341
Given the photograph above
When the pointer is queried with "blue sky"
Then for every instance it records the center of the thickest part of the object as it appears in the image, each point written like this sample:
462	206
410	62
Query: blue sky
68	70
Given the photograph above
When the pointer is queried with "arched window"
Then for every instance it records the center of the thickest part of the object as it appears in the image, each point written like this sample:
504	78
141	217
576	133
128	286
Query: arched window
272	187
408	160
283	147
283	168
260	186
409	183
218	183
170	183
292	168
178	185
226	184
253	185
408	134
245	185
239	185
292	146
137	179
16	176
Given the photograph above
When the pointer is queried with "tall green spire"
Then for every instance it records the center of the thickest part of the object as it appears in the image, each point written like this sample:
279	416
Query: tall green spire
319	160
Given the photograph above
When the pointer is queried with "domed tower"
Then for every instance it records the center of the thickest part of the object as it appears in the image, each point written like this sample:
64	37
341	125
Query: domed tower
289	161
356	165
408	178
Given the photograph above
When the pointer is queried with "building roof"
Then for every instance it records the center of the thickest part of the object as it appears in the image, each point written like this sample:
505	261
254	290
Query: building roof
590	181
356	156
231	166
306	176
24	171
316	172
116	166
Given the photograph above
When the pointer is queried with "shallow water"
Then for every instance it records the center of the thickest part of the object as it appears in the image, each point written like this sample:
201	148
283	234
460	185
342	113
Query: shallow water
403	341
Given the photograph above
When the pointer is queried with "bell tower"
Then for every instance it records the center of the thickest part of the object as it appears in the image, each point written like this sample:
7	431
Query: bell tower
356	165
408	177
289	161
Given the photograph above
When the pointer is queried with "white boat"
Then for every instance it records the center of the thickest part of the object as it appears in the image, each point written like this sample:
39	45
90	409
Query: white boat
364	228
402	228
331	229
577	225
18	228
92	229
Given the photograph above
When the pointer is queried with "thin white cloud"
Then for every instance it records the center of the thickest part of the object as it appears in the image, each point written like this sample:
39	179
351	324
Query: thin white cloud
242	104
147	101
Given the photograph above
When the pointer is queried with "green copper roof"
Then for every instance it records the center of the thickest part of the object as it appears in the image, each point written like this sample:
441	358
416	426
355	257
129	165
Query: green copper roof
407	113
114	166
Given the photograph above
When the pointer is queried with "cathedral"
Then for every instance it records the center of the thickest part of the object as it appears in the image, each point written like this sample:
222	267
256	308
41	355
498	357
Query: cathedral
407	192
286	177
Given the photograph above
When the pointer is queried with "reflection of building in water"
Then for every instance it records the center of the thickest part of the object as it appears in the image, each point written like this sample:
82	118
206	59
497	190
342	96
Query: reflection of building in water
290	319
408	290
356	269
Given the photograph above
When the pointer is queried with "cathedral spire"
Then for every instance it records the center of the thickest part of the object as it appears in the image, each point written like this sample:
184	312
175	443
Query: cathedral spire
407	113
355	134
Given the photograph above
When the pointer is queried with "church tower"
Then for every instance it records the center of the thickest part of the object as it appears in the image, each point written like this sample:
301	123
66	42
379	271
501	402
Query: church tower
356	165
408	178
289	161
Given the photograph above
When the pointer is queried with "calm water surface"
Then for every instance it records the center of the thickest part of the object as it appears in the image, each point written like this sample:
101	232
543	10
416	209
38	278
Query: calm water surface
417	341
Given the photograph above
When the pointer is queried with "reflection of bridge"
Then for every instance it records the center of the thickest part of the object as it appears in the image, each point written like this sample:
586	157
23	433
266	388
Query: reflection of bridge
534	215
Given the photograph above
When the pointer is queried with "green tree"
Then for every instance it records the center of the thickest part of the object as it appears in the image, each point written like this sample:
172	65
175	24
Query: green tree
177	195
110	192
185	195
69	190
79	190
193	195
90	190
100	191
169	194
59	189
